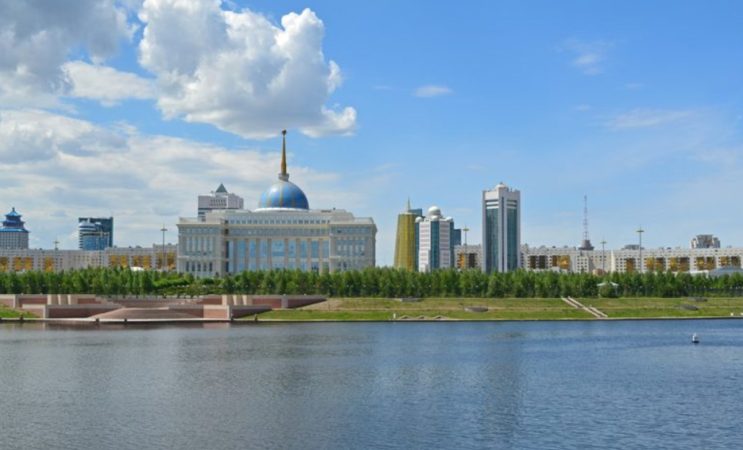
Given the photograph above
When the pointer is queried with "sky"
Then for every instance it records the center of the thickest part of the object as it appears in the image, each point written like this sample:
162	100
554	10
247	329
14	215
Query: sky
132	109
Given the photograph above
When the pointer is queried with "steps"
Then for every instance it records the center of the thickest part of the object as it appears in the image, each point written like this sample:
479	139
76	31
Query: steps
592	310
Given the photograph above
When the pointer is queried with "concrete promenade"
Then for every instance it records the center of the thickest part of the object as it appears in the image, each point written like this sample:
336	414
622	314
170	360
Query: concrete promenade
209	308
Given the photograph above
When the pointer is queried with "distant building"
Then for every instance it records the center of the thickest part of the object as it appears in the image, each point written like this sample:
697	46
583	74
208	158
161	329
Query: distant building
627	260
282	233
155	257
705	241
468	257
456	237
95	233
218	200
501	229
13	234
435	249
406	250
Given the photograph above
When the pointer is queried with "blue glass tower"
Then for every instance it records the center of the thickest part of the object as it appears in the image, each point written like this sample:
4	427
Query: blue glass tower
95	233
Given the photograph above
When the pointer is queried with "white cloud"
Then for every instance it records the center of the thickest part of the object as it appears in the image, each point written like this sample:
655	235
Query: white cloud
49	160
588	56
105	84
240	72
432	90
37	37
645	118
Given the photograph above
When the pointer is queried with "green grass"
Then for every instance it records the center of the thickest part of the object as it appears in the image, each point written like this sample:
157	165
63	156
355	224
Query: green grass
375	309
9	313
383	309
666	307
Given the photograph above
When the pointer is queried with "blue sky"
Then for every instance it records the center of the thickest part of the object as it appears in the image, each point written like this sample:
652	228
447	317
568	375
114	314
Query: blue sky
636	105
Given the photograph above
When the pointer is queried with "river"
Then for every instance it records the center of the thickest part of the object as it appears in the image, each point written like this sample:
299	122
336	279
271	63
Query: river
535	385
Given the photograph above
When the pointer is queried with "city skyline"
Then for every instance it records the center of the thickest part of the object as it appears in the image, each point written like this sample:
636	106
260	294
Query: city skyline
631	109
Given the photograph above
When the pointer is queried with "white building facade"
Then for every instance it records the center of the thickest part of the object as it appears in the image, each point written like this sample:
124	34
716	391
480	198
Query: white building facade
218	200
156	257
282	233
571	259
434	236
501	229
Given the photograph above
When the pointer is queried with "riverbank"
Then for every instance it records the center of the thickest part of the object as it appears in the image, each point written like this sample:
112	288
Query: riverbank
489	309
375	309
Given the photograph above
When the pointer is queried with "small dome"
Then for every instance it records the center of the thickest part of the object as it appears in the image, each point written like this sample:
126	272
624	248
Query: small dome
285	195
434	211
501	185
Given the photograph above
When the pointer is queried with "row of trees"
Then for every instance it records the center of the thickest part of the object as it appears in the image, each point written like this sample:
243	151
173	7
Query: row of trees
375	282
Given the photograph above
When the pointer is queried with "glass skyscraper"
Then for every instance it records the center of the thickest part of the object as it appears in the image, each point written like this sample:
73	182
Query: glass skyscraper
95	233
501	229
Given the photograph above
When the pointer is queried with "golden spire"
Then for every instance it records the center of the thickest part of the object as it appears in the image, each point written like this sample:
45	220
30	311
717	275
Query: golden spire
283	175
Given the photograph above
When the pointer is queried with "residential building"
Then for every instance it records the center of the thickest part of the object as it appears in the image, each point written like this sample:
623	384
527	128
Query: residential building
13	234
282	233
218	200
95	233
435	249
155	257
468	257
501	229
571	259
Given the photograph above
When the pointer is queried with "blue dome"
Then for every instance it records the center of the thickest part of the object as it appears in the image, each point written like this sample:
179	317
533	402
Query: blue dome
283	194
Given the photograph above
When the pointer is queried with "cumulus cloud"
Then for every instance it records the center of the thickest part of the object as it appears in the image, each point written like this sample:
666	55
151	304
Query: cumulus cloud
37	37
50	160
240	72
432	90
105	84
588	56
646	118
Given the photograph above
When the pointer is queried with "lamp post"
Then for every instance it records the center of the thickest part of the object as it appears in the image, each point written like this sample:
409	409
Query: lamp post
162	265
603	256
639	235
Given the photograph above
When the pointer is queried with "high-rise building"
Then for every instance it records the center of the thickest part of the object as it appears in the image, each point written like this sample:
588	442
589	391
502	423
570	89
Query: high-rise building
282	233
435	249
501	229
406	250
705	241
95	233
13	234
219	199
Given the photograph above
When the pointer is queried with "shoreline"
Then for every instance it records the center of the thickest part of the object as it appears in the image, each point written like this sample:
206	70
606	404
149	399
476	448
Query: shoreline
83	321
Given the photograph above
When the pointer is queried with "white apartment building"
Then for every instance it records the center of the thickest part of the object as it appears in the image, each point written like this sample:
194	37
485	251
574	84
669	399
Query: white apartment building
434	235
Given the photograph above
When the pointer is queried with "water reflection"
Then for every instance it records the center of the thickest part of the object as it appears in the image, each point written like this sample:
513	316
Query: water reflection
443	385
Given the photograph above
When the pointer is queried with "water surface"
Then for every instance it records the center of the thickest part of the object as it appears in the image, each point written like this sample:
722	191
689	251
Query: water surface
536	385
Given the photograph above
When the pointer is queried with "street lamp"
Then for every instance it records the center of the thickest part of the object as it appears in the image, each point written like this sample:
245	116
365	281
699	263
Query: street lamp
639	235
603	256
162	265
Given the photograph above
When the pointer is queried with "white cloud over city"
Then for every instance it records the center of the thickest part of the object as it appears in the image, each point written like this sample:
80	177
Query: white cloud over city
66	167
235	70
587	56
432	90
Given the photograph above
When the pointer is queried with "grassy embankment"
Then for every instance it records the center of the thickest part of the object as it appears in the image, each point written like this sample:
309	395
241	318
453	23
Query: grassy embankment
9	313
376	309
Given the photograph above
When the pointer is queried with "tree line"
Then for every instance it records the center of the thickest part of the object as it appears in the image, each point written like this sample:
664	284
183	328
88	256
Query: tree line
373	282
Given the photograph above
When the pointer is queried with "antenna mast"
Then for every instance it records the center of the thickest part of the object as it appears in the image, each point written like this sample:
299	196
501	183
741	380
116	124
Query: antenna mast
586	244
